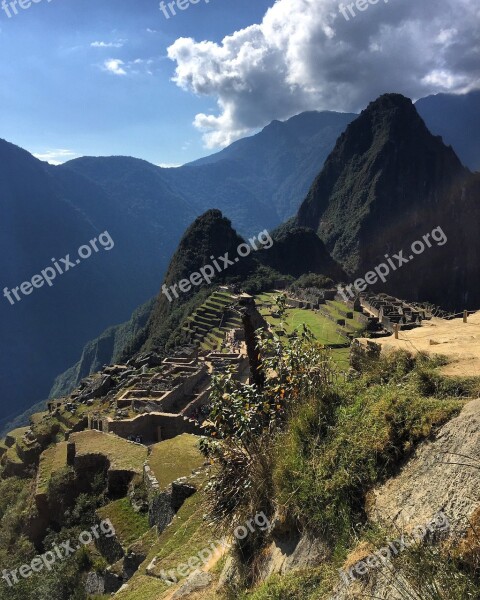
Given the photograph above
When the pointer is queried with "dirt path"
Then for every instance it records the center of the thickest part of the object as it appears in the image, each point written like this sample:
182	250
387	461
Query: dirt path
206	567
459	341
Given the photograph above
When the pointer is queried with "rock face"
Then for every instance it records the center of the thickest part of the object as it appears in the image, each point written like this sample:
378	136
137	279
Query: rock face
443	475
164	505
298	250
94	584
387	183
197	581
287	553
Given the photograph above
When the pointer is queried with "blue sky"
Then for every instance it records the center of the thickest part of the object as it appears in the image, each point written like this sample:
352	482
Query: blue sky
94	77
57	94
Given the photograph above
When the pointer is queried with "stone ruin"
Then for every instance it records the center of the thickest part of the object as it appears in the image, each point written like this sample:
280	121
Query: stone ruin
171	400
389	311
151	398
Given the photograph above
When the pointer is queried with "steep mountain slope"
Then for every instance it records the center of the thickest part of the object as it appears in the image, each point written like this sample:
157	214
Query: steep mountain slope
294	251
387	183
457	119
107	349
283	159
298	250
210	236
37	223
48	213
257	182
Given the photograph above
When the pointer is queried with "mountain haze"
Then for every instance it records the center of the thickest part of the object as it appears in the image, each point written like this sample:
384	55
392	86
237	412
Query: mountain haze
456	117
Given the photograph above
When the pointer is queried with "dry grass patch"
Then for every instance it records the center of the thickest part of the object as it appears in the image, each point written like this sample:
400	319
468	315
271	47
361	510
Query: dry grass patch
52	460
122	454
175	458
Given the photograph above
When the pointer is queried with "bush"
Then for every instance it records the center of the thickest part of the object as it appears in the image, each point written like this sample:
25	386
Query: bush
245	418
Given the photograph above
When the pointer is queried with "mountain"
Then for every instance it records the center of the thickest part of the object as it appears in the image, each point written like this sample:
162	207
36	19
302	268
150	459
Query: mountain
298	251
456	117
290	252
47	213
107	349
388	183
282	160
261	179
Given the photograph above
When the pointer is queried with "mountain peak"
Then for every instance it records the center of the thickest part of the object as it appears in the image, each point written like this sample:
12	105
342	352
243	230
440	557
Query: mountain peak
387	180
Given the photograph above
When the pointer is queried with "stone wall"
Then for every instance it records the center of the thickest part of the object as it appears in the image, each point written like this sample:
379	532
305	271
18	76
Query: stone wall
199	401
153	427
163	505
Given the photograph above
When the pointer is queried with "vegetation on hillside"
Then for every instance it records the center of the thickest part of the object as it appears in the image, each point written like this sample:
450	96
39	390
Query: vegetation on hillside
308	446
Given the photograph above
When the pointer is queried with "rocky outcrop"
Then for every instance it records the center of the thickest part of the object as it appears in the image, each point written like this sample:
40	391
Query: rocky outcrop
94	584
444	474
196	582
291	552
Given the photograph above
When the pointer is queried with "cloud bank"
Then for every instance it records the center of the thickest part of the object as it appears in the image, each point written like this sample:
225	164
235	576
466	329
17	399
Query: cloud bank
306	56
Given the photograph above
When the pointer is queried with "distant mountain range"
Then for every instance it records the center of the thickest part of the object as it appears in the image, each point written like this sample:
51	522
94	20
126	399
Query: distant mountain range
457	120
47	212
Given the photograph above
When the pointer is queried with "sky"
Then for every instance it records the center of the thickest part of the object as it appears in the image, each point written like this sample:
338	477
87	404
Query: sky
117	77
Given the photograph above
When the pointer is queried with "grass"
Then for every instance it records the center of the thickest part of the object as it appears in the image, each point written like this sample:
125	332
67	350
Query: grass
187	535
12	456
128	524
341	357
123	455
175	458
183	539
325	330
310	584
36	418
17	434
52	460
337	310
341	443
143	587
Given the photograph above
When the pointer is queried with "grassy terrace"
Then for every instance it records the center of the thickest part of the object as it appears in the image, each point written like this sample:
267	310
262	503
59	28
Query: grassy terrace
12	456
53	459
187	535
175	458
206	320
325	330
338	310
123	455
17	434
128	524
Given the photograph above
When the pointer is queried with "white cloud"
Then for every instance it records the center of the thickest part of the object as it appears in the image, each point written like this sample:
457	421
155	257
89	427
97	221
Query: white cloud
169	165
118	44
305	55
55	157
131	67
115	66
